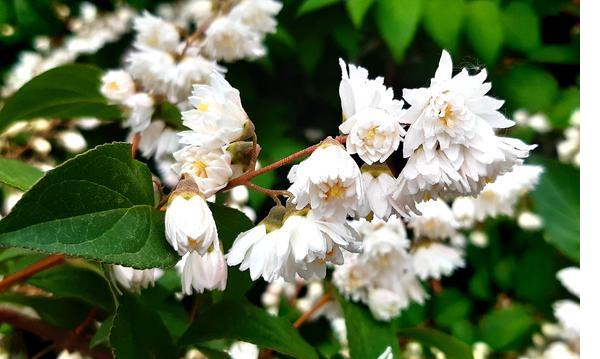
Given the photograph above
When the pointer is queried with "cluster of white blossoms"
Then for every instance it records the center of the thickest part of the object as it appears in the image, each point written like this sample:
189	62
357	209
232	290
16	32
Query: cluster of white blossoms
538	122
568	149
561	340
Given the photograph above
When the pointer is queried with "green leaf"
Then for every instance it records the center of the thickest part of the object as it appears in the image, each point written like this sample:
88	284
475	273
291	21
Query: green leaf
138	332
18	174
521	27
239	320
102	334
538	265
556	54
98	205
397	21
62	313
443	20
312	5
67	91
504	329
528	87
357	9
561	110
450	306
91	287
452	347
556	200
367	337
483	30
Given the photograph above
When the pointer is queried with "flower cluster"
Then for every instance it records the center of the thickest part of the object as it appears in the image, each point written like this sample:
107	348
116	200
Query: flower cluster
568	149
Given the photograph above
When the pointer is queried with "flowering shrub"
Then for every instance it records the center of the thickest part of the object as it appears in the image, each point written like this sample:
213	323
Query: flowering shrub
197	179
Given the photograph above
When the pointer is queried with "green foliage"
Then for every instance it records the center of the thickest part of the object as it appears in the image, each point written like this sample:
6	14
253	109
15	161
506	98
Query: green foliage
312	5
485	38
450	306
556	199
367	337
397	21
505	329
357	9
452	348
18	174
240	320
521	27
138	332
443	20
99	205
528	87
58	312
67	91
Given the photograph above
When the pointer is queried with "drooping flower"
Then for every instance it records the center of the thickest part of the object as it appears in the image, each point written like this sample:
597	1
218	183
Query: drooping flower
257	14
210	169
436	220
135	280
154	32
432	259
218	117
117	85
189	223
329	181
229	39
371	115
378	184
140	108
201	272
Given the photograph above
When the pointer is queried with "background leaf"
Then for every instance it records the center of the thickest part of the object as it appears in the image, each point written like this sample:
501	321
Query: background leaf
99	206
452	347
312	5
443	20
367	337
521	27
485	38
357	9
67	91
18	174
556	200
528	87
503	329
240	320
397	21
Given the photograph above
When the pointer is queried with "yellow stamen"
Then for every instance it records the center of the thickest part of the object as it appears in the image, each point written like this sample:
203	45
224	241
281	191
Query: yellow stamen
113	86
200	169
371	134
336	191
203	107
447	117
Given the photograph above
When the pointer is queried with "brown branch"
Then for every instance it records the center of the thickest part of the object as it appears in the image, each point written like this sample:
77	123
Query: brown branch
135	143
31	270
282	162
309	313
61	338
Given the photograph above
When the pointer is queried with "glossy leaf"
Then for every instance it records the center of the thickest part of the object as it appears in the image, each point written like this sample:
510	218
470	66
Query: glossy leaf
483	33
67	91
239	320
138	332
443	20
367	337
99	205
556	200
18	174
452	347
397	21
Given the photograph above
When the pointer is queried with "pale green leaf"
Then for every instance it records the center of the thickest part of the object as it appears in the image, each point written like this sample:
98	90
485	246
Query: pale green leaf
521	27
397	21
18	174
443	20
483	29
357	9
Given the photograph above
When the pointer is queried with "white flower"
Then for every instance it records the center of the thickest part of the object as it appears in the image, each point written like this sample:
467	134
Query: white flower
570	278
358	92
239	195
530	221
136	279
373	134
435	259
559	350
140	107
378	184
435	222
353	277
329	181
72	141
117	85
257	14
243	350
385	242
156	33
568	314
189	224
229	39
452	137
385	304
387	354
203	271
218	117
464	211
540	123
210	169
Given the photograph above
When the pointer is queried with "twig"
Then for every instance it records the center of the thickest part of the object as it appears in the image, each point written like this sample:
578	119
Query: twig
135	143
273	193
309	313
31	270
60	337
86	322
243	179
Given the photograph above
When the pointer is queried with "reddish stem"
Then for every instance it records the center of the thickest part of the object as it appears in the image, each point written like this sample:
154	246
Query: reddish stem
308	314
135	143
27	272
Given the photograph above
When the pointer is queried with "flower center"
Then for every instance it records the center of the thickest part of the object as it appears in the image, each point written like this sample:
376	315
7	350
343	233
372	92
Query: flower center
488	195
371	134
200	169
336	191
203	107
447	116
113	86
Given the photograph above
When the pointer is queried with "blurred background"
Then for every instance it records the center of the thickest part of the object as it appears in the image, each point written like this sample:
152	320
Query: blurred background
530	49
